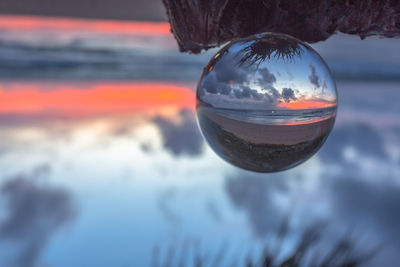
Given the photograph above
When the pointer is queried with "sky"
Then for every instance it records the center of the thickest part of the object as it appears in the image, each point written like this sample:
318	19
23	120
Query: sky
129	175
300	81
149	10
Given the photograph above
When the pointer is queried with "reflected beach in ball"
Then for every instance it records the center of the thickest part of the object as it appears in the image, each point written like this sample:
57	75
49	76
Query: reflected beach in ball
266	103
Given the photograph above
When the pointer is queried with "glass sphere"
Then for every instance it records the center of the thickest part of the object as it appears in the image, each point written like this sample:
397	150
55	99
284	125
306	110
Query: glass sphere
266	103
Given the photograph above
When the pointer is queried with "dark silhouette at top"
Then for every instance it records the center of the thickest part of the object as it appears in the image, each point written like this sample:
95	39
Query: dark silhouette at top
198	24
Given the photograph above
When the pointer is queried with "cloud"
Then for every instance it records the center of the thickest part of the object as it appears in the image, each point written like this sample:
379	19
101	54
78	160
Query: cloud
288	94
368	204
247	92
228	71
233	82
254	194
266	76
314	79
267	81
373	208
225	89
243	92
219	80
229	85
360	136
210	84
181	138
34	212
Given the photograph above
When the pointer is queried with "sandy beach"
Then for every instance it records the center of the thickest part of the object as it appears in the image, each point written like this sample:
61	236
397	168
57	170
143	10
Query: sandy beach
271	134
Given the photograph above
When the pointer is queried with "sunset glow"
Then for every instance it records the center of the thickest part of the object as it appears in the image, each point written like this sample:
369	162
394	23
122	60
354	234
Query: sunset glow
27	23
306	122
306	104
92	99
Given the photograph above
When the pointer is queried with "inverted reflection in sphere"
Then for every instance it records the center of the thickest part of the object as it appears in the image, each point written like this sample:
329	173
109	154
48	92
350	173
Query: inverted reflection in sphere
266	103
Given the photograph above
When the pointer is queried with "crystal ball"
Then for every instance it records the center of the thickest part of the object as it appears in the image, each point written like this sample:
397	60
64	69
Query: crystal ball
266	103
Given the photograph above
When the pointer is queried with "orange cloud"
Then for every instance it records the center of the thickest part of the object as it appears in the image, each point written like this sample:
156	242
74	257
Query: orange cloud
26	23
306	104
93	98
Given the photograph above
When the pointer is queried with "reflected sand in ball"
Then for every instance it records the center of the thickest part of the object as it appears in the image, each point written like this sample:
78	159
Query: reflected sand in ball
266	103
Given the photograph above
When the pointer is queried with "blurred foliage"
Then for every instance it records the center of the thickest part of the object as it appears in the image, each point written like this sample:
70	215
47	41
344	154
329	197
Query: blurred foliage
308	251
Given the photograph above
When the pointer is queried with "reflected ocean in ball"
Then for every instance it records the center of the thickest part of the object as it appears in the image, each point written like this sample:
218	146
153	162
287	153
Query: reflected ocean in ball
266	103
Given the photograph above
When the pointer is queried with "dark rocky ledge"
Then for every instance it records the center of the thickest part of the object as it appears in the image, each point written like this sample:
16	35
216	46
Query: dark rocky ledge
202	24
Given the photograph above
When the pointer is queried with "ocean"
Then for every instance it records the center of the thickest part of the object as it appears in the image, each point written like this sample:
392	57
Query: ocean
277	116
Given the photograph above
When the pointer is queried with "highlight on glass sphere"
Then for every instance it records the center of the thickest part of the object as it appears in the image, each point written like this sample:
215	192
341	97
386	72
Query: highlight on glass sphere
266	103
